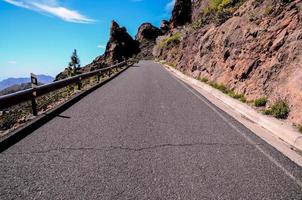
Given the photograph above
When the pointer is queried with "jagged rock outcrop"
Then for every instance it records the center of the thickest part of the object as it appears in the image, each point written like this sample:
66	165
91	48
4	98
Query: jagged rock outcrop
146	37
255	48
181	14
120	46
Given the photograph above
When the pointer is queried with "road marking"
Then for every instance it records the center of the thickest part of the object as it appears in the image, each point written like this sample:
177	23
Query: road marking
237	130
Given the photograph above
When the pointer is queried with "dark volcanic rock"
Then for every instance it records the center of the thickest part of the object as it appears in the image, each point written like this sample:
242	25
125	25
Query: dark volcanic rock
182	13
165	26
120	46
146	36
147	32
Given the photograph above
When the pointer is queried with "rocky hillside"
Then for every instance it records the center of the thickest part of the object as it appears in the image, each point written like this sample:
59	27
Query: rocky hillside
251	46
146	37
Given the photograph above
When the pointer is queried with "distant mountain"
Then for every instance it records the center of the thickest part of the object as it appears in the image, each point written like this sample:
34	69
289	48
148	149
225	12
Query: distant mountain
18	81
15	88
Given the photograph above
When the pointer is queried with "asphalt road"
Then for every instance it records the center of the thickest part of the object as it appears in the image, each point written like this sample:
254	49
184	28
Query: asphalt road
145	136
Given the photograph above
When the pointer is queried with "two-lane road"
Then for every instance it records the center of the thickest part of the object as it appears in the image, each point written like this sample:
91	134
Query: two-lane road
145	136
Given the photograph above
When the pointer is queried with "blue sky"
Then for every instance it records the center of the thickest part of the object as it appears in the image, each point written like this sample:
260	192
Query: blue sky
39	35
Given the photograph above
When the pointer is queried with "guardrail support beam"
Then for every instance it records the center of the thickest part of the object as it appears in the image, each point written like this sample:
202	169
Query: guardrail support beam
34	107
80	84
99	78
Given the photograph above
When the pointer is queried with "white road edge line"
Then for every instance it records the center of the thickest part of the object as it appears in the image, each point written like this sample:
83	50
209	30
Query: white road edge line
242	134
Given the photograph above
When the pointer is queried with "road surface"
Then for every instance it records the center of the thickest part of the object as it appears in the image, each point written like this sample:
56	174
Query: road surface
145	136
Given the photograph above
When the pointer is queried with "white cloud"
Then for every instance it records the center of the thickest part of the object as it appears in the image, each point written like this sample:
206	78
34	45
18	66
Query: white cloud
52	7
17	3
12	62
170	5
101	46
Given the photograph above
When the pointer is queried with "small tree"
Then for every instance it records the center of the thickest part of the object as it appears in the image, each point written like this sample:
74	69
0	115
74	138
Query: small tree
74	65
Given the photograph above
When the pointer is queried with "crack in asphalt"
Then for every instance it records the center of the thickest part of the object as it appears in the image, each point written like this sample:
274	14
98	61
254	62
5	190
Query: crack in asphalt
112	148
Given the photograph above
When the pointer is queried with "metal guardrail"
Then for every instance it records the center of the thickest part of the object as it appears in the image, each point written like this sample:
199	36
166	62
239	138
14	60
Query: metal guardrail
31	94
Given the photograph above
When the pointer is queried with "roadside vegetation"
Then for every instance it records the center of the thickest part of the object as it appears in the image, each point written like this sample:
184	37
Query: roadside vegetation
279	110
172	65
261	102
204	79
171	41
300	128
217	11
224	89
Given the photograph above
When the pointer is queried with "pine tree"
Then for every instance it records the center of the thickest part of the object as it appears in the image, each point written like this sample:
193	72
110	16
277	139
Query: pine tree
74	65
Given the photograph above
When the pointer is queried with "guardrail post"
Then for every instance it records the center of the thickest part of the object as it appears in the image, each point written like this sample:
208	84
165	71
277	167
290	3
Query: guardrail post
34	85
80	84
34	105
98	77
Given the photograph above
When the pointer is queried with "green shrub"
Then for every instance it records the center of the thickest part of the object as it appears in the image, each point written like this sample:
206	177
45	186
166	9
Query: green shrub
243	99
279	110
300	128
204	79
221	9
172	40
172	65
220	87
238	96
225	90
260	102
235	95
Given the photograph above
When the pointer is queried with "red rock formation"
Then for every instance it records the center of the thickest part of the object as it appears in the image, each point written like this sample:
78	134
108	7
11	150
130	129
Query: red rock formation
256	49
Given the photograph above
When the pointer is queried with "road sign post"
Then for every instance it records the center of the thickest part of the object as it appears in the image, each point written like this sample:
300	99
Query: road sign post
34	85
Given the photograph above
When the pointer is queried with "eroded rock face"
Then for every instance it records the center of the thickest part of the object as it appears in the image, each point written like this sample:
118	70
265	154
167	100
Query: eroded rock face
257	51
147	32
120	46
146	37
181	13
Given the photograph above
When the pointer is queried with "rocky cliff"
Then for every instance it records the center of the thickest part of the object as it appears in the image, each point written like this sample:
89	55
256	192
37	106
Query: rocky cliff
251	46
181	13
120	46
146	37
